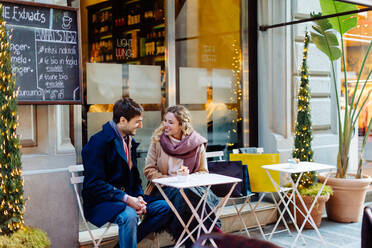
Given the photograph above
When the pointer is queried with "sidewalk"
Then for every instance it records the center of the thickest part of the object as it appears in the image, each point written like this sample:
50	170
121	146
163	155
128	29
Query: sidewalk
345	235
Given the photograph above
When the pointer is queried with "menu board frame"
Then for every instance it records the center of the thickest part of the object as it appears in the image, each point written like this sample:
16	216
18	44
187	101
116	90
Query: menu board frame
79	52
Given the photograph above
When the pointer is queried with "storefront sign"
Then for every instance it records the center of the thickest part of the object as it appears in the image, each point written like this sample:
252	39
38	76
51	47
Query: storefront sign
45	52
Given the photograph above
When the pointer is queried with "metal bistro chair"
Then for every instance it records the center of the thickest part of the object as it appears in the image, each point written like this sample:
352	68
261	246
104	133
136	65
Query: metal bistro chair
246	199
77	179
258	171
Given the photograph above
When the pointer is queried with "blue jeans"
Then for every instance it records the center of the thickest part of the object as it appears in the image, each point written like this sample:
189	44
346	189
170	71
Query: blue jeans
157	215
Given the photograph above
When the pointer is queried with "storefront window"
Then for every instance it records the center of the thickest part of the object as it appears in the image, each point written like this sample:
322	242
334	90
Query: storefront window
357	41
208	67
126	48
127	55
126	43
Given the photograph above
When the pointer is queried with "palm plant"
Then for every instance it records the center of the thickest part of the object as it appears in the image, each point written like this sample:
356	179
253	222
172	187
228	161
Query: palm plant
325	38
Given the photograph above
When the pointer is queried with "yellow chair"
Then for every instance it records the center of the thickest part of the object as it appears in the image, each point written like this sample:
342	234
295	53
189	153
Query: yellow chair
260	181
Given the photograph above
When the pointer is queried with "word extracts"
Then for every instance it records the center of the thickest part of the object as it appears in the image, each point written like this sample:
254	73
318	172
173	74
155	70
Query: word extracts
19	14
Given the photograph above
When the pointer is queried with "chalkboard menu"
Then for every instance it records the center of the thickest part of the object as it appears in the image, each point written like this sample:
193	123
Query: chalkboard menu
45	48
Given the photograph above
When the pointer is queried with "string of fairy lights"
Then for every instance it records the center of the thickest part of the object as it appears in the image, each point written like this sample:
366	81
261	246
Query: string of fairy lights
303	132
11	182
236	94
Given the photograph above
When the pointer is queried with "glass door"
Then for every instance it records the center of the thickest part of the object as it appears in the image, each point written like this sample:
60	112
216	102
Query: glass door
209	57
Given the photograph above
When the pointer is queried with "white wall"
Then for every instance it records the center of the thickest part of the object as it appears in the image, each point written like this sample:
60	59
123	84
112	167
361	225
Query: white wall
279	62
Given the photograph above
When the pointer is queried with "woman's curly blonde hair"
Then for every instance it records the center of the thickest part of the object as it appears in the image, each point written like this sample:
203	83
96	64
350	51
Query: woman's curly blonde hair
183	116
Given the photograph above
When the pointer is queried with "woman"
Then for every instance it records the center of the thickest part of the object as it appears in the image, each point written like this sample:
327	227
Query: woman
174	145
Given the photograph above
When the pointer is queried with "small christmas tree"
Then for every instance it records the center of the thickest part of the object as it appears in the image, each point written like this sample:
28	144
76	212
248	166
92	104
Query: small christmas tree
11	183
303	137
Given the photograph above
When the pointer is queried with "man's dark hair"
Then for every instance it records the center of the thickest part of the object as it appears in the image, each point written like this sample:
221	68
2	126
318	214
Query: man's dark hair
127	108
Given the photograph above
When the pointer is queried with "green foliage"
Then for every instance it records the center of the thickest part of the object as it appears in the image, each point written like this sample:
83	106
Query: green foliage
342	23
314	189
25	237
303	133
11	183
325	38
352	109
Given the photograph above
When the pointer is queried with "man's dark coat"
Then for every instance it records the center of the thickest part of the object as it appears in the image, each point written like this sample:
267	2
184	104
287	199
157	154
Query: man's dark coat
107	176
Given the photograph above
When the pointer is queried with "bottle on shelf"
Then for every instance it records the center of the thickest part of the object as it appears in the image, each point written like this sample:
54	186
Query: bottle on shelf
120	22
153	43
147	44
160	49
134	16
142	49
134	48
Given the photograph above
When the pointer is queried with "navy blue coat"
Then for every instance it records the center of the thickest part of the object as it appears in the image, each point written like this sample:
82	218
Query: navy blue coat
107	176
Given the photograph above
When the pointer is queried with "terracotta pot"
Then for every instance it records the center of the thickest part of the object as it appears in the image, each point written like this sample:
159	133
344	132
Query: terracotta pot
345	205
316	212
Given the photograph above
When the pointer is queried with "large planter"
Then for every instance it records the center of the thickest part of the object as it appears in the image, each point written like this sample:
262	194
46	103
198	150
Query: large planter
316	212
345	205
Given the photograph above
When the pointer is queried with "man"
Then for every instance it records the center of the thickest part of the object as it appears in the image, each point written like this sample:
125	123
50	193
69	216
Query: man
112	190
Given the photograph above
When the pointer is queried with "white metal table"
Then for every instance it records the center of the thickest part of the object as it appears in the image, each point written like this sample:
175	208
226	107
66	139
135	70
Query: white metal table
299	168
196	180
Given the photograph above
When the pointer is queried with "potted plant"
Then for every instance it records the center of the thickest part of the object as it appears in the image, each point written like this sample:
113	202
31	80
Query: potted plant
25	237
346	203
307	184
13	233
308	194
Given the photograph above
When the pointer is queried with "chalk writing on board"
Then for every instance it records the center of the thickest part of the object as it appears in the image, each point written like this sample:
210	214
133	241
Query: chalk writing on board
19	14
44	52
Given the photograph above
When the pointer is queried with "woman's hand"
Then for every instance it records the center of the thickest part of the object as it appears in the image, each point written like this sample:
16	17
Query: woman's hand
183	169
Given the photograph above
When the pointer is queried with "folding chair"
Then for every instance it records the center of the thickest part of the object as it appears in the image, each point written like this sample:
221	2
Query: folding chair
246	199
259	179
76	179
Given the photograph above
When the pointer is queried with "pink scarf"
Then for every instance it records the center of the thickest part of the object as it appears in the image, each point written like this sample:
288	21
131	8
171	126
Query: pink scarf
187	149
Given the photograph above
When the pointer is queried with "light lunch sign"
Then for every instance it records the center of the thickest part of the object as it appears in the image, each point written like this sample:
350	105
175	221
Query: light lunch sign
45	52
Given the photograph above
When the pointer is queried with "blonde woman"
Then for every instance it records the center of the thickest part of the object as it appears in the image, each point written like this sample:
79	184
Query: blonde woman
175	145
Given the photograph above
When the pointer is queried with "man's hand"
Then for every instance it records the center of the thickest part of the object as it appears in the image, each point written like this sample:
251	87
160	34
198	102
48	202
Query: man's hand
143	209
137	204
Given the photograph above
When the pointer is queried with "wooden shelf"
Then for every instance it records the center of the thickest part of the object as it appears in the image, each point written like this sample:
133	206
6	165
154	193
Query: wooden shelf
101	24
102	36
147	29
128	28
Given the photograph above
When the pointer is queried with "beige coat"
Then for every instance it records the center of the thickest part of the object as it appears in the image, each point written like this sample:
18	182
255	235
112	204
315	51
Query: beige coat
157	164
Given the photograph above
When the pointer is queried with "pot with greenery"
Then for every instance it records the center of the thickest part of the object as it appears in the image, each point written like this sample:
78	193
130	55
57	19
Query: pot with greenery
308	194
345	205
13	233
